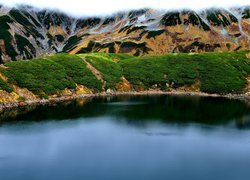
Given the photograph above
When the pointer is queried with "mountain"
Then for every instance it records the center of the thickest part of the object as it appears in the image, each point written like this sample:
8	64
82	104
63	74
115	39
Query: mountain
27	32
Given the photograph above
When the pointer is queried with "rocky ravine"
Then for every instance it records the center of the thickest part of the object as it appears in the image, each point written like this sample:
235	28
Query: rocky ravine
26	32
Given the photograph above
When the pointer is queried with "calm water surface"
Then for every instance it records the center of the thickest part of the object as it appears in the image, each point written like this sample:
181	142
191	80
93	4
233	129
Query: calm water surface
128	138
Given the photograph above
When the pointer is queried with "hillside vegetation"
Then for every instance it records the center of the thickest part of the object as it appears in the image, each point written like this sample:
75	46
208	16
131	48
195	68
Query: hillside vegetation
215	72
51	74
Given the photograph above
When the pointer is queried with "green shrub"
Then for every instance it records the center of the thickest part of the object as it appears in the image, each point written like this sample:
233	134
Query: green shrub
218	72
111	71
113	56
39	76
5	86
223	72
52	74
160	70
76	69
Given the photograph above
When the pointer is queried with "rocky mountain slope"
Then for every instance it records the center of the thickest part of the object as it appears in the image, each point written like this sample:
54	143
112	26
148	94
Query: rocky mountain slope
26	32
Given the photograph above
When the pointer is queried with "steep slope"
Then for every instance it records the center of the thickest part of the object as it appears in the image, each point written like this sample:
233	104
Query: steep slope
26	32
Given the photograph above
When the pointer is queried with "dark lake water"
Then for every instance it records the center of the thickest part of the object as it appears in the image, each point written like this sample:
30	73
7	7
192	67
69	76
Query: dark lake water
128	138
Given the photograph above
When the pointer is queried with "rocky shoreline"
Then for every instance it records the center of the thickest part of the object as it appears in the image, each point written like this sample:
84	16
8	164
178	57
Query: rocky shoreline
56	100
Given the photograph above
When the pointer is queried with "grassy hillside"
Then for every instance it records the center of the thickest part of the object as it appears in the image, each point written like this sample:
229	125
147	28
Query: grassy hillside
107	65
216	72
52	74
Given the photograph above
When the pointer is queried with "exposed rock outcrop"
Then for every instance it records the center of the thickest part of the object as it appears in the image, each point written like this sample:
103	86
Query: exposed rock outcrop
27	32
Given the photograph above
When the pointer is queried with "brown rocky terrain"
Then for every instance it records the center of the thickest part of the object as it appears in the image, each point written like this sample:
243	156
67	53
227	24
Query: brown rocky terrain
26	32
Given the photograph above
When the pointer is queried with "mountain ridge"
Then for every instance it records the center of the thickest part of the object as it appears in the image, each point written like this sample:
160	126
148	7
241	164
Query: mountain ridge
27	32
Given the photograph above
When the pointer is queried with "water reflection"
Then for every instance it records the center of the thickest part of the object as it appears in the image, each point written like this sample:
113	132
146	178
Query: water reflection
138	110
127	137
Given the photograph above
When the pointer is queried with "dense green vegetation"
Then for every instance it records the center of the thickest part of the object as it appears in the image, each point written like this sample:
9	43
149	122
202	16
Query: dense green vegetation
223	72
76	69
172	69
111	71
112	56
216	72
5	86
51	75
39	76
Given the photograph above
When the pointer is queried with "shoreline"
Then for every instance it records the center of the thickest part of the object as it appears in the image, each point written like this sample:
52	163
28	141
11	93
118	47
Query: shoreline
12	105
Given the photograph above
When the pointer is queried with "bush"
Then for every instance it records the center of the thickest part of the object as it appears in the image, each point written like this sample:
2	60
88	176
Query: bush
223	72
39	76
218	72
160	70
111	71
76	69
5	86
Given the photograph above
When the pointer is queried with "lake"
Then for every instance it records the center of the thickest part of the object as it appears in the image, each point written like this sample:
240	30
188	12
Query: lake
128	138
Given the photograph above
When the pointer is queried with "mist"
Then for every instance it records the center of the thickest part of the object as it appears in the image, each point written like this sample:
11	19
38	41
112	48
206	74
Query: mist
107	7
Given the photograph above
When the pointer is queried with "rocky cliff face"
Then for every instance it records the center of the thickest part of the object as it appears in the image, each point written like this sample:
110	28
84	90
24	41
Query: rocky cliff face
26	32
